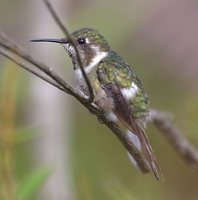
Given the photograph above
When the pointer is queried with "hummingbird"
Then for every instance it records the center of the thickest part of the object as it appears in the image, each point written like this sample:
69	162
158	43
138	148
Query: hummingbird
117	90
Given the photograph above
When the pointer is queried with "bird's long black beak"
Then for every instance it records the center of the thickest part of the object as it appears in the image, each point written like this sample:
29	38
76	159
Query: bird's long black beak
61	41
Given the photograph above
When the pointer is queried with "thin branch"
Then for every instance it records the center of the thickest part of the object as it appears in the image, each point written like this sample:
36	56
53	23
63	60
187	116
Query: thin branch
90	98
26	67
10	46
164	123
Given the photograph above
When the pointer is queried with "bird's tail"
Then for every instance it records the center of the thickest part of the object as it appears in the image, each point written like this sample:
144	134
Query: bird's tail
141	141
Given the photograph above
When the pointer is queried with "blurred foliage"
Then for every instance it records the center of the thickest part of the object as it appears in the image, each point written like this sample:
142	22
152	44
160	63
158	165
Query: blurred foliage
9	83
31	184
12	186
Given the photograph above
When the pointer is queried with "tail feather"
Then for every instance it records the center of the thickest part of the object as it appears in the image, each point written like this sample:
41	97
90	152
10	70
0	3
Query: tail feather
150	155
134	128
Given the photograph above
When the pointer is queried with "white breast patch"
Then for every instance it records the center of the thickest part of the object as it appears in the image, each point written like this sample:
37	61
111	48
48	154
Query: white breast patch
130	93
99	56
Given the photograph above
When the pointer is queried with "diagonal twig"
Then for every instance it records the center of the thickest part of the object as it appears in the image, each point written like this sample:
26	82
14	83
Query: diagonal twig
31	70
10	46
162	122
67	34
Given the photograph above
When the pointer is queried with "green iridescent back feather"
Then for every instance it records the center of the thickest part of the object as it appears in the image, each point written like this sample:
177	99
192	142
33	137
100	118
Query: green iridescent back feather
117	70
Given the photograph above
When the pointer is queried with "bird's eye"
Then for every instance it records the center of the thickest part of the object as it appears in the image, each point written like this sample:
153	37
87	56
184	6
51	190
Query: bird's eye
81	40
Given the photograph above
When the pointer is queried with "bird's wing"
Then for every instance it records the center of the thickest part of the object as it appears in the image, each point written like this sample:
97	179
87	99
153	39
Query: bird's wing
123	111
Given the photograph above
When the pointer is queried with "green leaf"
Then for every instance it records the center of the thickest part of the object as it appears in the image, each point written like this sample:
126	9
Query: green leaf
32	183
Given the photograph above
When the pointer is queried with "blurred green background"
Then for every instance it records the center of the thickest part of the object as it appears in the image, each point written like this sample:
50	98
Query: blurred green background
51	147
